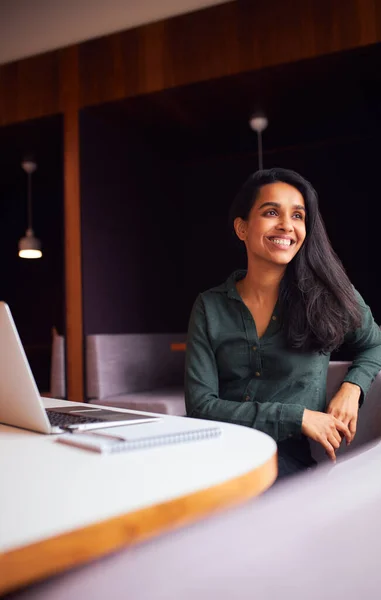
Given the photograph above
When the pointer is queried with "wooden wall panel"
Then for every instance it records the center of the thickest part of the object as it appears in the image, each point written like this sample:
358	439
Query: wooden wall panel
275	33
126	69
97	73
377	14
153	62
73	251
220	41
203	45
190	48
30	88
343	25
8	93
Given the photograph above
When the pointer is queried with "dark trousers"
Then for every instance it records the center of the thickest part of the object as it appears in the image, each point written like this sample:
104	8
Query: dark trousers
294	456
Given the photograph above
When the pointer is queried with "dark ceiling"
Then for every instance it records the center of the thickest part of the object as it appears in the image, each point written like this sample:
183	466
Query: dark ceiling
327	98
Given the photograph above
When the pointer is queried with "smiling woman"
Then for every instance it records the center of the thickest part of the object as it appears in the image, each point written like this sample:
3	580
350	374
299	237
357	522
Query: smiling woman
258	346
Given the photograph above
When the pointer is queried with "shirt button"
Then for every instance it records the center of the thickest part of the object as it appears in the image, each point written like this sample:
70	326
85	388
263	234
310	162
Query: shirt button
273	318
254	348
257	374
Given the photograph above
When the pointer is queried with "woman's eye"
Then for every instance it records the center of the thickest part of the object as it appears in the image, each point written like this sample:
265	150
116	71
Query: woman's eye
274	213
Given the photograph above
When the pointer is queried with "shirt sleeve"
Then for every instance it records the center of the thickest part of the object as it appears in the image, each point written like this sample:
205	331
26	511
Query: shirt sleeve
366	344
278	420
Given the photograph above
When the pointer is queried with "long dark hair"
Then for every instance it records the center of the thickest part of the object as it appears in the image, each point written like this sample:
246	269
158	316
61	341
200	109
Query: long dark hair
317	299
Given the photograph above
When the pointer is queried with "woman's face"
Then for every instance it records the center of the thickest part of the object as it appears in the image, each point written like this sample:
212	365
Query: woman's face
276	227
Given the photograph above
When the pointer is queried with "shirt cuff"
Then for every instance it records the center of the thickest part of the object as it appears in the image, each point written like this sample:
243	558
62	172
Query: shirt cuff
361	380
290	424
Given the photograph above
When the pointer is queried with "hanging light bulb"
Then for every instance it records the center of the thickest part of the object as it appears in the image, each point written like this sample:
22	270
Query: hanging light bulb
259	123
29	246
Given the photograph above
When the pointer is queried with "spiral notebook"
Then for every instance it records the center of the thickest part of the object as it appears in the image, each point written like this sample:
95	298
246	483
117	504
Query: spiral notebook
109	444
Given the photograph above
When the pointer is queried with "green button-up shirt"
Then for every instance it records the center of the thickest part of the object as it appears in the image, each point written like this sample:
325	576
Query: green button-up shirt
233	376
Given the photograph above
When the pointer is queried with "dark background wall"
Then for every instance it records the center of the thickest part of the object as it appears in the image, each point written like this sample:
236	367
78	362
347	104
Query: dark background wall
130	236
34	289
155	229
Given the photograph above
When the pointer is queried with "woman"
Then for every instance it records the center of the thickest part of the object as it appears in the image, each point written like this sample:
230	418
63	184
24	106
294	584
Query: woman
259	345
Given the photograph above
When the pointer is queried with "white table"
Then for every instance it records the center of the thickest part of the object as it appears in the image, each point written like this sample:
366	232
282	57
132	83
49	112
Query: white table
61	506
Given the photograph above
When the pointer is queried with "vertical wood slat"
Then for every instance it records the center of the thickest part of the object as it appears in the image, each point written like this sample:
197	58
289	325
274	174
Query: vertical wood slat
29	88
72	205
377	19
8	94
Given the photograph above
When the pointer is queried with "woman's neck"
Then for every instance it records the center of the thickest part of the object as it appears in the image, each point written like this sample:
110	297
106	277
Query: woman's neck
261	282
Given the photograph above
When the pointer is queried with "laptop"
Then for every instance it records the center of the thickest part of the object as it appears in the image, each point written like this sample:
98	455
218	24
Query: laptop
22	406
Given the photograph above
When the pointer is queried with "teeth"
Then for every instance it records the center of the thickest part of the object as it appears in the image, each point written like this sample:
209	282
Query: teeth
280	241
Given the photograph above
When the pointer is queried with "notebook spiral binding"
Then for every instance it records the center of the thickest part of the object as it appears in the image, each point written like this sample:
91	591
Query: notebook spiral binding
167	438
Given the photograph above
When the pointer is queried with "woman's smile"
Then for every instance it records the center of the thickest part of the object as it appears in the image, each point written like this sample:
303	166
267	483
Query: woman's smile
280	243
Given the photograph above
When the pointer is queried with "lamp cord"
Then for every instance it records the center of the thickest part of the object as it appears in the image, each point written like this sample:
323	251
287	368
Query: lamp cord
260	156
29	201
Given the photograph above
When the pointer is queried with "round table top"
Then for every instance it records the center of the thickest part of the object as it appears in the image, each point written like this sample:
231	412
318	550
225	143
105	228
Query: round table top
61	506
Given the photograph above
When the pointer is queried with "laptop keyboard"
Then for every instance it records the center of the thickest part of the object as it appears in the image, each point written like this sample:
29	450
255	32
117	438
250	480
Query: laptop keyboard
63	419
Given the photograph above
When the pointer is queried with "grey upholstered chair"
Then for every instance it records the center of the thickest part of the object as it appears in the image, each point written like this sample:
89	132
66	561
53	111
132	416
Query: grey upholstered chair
57	369
369	422
136	371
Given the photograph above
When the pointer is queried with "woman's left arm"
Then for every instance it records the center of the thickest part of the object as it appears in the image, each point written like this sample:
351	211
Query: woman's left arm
366	343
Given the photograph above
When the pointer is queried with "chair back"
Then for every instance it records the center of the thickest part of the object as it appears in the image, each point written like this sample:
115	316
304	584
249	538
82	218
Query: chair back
57	368
127	363
369	421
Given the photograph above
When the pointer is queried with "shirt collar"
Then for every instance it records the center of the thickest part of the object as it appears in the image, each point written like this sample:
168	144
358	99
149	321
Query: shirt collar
232	292
230	284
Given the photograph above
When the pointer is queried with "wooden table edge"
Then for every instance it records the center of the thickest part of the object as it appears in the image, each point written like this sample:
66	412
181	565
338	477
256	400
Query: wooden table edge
40	560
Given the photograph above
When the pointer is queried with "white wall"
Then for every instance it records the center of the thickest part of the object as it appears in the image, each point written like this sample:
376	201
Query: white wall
29	27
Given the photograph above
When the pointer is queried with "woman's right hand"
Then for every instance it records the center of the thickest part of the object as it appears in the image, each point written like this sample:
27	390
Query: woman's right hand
325	429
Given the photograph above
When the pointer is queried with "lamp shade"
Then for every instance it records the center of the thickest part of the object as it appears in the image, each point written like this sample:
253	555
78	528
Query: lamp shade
30	246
